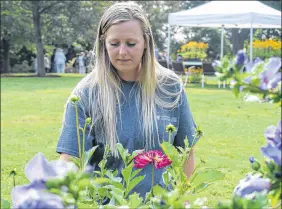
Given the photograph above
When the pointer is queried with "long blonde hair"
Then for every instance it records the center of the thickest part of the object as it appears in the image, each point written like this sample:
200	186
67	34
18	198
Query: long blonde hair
155	85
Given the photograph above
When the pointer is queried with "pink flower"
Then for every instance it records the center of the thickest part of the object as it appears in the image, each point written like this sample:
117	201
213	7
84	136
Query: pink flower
155	157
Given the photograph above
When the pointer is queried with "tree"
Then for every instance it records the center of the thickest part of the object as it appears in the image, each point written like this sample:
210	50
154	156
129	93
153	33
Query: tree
12	38
47	23
5	46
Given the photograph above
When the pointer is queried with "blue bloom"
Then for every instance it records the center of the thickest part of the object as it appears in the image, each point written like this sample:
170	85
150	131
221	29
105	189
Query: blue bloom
251	66
273	148
272	152
241	58
271	76
273	133
251	184
34	196
38	171
38	168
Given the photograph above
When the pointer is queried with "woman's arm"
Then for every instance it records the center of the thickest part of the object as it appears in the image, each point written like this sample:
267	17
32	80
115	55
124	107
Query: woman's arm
65	157
189	164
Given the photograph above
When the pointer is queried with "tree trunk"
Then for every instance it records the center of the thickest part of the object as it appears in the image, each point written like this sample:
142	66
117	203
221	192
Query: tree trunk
38	38
6	49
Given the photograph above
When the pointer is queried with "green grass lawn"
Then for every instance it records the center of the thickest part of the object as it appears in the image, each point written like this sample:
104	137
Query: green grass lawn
32	110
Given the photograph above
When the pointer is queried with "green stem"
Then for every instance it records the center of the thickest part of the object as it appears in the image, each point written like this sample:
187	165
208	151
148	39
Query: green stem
14	181
169	136
83	144
196	168
153	171
78	135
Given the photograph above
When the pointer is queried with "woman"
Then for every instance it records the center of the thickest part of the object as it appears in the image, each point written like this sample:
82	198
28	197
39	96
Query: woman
60	60
129	96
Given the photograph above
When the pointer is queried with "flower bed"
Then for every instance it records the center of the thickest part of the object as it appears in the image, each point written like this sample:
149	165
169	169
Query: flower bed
193	51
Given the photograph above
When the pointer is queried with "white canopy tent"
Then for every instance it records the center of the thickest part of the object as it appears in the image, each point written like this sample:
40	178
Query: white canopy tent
227	14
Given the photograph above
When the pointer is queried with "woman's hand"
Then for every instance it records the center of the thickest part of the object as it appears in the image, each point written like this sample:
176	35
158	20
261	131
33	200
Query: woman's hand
189	164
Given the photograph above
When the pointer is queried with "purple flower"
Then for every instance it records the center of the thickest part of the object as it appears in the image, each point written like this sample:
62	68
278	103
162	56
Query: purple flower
38	171
34	196
241	58
251	184
273	148
251	66
38	168
271	76
272	152
273	133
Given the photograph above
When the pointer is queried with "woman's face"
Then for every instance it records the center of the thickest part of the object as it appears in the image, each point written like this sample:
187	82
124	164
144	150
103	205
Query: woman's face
125	45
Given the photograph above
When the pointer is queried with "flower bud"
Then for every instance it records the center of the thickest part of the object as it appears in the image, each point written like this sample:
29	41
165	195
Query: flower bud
202	160
88	120
13	172
74	98
170	128
255	163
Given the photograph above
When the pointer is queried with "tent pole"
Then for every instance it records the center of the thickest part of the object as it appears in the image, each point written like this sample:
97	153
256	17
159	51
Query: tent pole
168	43
251	43
221	46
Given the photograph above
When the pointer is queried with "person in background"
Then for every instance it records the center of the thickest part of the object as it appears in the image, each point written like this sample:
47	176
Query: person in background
81	63
87	59
60	60
46	63
179	58
53	66
129	96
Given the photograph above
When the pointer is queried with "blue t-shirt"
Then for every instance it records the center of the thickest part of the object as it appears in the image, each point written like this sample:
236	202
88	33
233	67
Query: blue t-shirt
129	131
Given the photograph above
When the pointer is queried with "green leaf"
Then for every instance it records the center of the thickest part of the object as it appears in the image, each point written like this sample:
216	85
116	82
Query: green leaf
134	200
126	172
200	187
76	161
206	176
236	89
255	81
82	184
118	198
103	192
5	204
88	154
165	177
159	191
172	153
186	142
135	172
111	176
225	62
123	152
133	183
224	204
